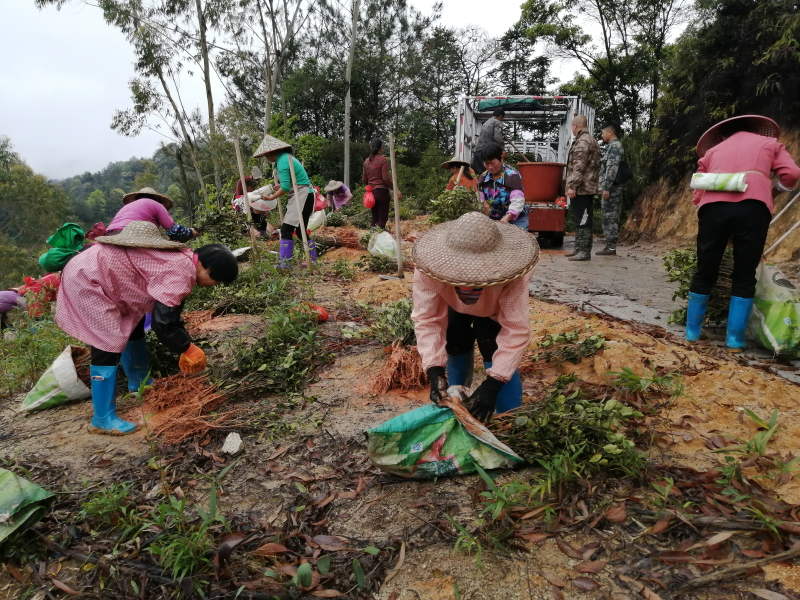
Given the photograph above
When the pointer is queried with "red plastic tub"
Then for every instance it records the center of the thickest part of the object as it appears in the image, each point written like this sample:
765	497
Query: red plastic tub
541	180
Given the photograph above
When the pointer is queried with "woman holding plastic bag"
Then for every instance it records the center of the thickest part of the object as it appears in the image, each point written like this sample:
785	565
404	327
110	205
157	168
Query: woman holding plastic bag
471	279
733	194
378	177
105	293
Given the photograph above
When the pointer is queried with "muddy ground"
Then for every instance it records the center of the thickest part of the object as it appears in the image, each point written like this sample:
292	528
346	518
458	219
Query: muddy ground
321	443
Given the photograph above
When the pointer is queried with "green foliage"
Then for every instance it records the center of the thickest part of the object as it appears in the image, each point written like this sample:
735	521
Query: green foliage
393	323
377	264
670	384
23	359
222	226
255	289
572	435
570	346
681	265
335	219
451	204
284	357
104	506
466	542
342	269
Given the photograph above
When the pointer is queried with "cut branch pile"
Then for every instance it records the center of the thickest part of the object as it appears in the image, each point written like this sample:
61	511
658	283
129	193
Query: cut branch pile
402	371
181	404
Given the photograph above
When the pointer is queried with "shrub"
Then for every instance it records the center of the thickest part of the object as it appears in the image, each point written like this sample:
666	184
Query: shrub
451	204
393	323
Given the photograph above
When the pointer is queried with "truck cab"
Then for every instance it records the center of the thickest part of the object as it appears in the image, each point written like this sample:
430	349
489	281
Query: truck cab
538	131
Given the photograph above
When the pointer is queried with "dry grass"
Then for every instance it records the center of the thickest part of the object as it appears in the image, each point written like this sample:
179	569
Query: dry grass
402	371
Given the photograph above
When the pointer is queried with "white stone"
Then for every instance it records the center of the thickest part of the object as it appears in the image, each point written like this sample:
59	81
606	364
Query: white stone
233	443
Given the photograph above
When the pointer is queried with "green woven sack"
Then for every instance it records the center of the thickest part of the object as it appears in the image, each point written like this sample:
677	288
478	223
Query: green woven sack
775	320
432	441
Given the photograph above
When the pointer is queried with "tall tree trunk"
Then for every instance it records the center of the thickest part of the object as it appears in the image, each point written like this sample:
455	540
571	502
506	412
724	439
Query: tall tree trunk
182	124
185	183
347	79
212	126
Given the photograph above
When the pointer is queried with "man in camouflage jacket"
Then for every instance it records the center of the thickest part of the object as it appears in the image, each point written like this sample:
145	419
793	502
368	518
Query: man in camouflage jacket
583	167
611	193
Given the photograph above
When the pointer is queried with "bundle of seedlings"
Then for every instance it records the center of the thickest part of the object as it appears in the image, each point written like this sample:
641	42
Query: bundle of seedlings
403	368
569	346
576	428
335	219
378	264
193	319
81	358
451	204
181	407
681	265
222	225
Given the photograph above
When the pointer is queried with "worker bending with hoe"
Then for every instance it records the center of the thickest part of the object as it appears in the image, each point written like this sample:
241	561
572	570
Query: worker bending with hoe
105	293
733	194
471	281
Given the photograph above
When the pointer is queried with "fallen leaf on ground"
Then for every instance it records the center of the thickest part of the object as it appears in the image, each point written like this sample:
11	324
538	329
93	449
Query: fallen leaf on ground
326	594
64	587
347	495
399	564
105	463
591	566
362	485
617	514
568	550
269	549
768	595
557	593
533	513
533	537
585	584
16	573
641	588
589	550
326	501
279	452
676	557
720	537
553	578
660	526
331	543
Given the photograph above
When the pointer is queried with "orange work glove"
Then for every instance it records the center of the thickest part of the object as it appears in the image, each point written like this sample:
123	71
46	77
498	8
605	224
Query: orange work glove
193	360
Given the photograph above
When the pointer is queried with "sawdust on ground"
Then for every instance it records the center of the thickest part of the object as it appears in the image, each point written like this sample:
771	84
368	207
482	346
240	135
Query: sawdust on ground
348	254
374	290
228	322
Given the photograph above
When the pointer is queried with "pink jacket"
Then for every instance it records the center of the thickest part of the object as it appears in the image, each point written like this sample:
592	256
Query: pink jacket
507	304
742	152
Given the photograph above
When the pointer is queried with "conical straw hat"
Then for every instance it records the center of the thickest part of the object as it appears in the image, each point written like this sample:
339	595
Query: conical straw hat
148	192
455	162
140	234
752	123
475	251
270	144
333	185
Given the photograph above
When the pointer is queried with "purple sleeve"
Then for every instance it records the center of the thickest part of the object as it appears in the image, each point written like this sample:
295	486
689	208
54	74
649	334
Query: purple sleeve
162	216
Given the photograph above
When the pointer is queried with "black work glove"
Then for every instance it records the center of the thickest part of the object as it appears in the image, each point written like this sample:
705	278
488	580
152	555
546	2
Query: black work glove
484	399
438	378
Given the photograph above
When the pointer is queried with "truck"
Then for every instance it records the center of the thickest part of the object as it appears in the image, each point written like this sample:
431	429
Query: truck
538	132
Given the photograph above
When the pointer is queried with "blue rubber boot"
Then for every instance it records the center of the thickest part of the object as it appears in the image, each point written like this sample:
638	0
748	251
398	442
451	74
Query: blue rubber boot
136	364
510	396
286	252
459	369
695	315
104	402
738	316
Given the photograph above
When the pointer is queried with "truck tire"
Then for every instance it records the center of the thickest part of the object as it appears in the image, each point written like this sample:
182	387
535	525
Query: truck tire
557	239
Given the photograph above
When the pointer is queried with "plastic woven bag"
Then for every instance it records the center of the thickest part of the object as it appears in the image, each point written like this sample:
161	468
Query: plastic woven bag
22	503
316	220
383	244
59	384
437	441
775	321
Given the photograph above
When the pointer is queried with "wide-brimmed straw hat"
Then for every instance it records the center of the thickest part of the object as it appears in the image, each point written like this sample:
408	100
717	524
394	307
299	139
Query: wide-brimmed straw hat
752	123
148	192
455	162
475	251
333	185
140	234
256	173
270	144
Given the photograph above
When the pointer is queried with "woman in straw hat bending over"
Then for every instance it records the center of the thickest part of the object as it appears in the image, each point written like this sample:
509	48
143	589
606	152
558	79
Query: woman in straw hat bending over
468	178
148	205
471	281
733	193
337	194
280	153
105	293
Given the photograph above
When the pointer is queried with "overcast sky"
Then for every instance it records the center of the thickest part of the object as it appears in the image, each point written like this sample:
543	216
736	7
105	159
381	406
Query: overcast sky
64	73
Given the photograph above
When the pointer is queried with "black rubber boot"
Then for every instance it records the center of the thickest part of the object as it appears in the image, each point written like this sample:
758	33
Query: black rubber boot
583	245
607	251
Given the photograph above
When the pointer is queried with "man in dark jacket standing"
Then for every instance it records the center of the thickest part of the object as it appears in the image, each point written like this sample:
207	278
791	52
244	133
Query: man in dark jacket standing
583	170
491	134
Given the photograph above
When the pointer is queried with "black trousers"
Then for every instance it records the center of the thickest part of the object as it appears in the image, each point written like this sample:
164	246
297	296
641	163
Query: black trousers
380	212
101	358
287	231
582	211
746	223
464	330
